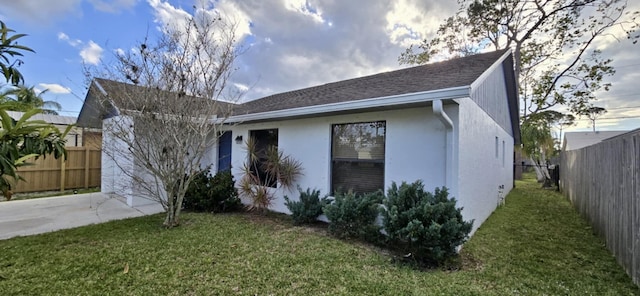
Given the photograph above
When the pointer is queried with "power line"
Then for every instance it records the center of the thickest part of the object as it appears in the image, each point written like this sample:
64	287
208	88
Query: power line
625	66
609	118
619	108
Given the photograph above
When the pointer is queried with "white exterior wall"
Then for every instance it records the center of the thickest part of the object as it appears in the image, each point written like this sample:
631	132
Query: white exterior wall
113	179
116	178
210	158
480	172
138	196
415	148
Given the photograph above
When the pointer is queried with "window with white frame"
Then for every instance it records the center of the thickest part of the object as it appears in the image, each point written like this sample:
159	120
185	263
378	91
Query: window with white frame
357	157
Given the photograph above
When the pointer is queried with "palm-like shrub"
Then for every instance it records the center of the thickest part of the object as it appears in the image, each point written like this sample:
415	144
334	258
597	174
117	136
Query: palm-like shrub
265	172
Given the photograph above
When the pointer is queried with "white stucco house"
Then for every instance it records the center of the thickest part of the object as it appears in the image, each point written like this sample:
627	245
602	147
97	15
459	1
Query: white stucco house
451	123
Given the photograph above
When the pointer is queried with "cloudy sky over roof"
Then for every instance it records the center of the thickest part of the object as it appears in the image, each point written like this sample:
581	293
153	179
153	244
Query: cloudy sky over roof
290	44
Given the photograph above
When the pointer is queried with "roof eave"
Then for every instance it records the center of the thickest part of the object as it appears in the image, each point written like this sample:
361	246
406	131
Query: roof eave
387	102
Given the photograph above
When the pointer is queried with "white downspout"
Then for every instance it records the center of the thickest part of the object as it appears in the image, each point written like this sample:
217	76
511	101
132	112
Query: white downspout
449	142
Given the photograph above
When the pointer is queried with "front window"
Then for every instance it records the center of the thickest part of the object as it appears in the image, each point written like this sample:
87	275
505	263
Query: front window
357	155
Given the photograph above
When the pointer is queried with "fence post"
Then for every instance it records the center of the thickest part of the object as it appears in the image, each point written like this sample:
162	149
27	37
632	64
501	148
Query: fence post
86	167
62	172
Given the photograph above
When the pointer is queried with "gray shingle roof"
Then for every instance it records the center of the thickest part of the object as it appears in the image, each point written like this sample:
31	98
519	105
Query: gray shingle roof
447	74
458	72
50	118
115	89
125	96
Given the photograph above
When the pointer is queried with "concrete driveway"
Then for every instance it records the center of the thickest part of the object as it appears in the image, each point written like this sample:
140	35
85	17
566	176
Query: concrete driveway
40	215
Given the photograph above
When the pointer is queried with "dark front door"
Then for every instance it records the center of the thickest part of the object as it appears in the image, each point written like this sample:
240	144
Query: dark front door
224	152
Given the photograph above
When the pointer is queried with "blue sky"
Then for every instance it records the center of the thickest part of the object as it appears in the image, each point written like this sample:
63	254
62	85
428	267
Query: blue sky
291	43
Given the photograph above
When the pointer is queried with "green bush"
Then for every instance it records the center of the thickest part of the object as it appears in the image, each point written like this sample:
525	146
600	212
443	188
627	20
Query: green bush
216	194
427	226
352	216
307	208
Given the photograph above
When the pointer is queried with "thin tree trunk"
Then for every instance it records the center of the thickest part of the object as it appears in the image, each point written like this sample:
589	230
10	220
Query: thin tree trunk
536	167
169	220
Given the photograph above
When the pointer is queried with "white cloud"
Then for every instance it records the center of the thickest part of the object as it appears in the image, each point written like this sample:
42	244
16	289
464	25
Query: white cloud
40	12
410	21
43	13
305	8
233	13
113	6
91	53
291	51
167	15
241	87
54	88
119	51
64	37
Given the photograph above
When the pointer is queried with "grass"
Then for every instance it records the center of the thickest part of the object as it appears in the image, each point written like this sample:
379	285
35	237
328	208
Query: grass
534	245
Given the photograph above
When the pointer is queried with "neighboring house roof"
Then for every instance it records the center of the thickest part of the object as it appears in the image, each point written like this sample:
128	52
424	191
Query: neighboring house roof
577	140
413	86
50	118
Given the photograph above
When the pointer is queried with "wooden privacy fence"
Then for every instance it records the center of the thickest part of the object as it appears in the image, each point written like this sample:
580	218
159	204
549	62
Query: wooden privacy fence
80	170
603	183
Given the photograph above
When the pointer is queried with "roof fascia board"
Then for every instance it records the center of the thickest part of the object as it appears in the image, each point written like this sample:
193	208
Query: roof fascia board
404	99
488	71
106	95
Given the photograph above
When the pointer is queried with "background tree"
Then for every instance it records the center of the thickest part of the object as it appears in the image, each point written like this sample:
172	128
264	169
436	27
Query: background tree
540	145
593	113
16	96
26	98
23	139
10	53
173	107
556	62
562	122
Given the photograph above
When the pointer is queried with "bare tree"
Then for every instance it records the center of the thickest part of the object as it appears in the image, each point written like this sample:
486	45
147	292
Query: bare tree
171	97
557	62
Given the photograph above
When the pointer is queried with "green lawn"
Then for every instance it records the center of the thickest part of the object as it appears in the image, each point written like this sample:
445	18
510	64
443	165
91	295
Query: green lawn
534	245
